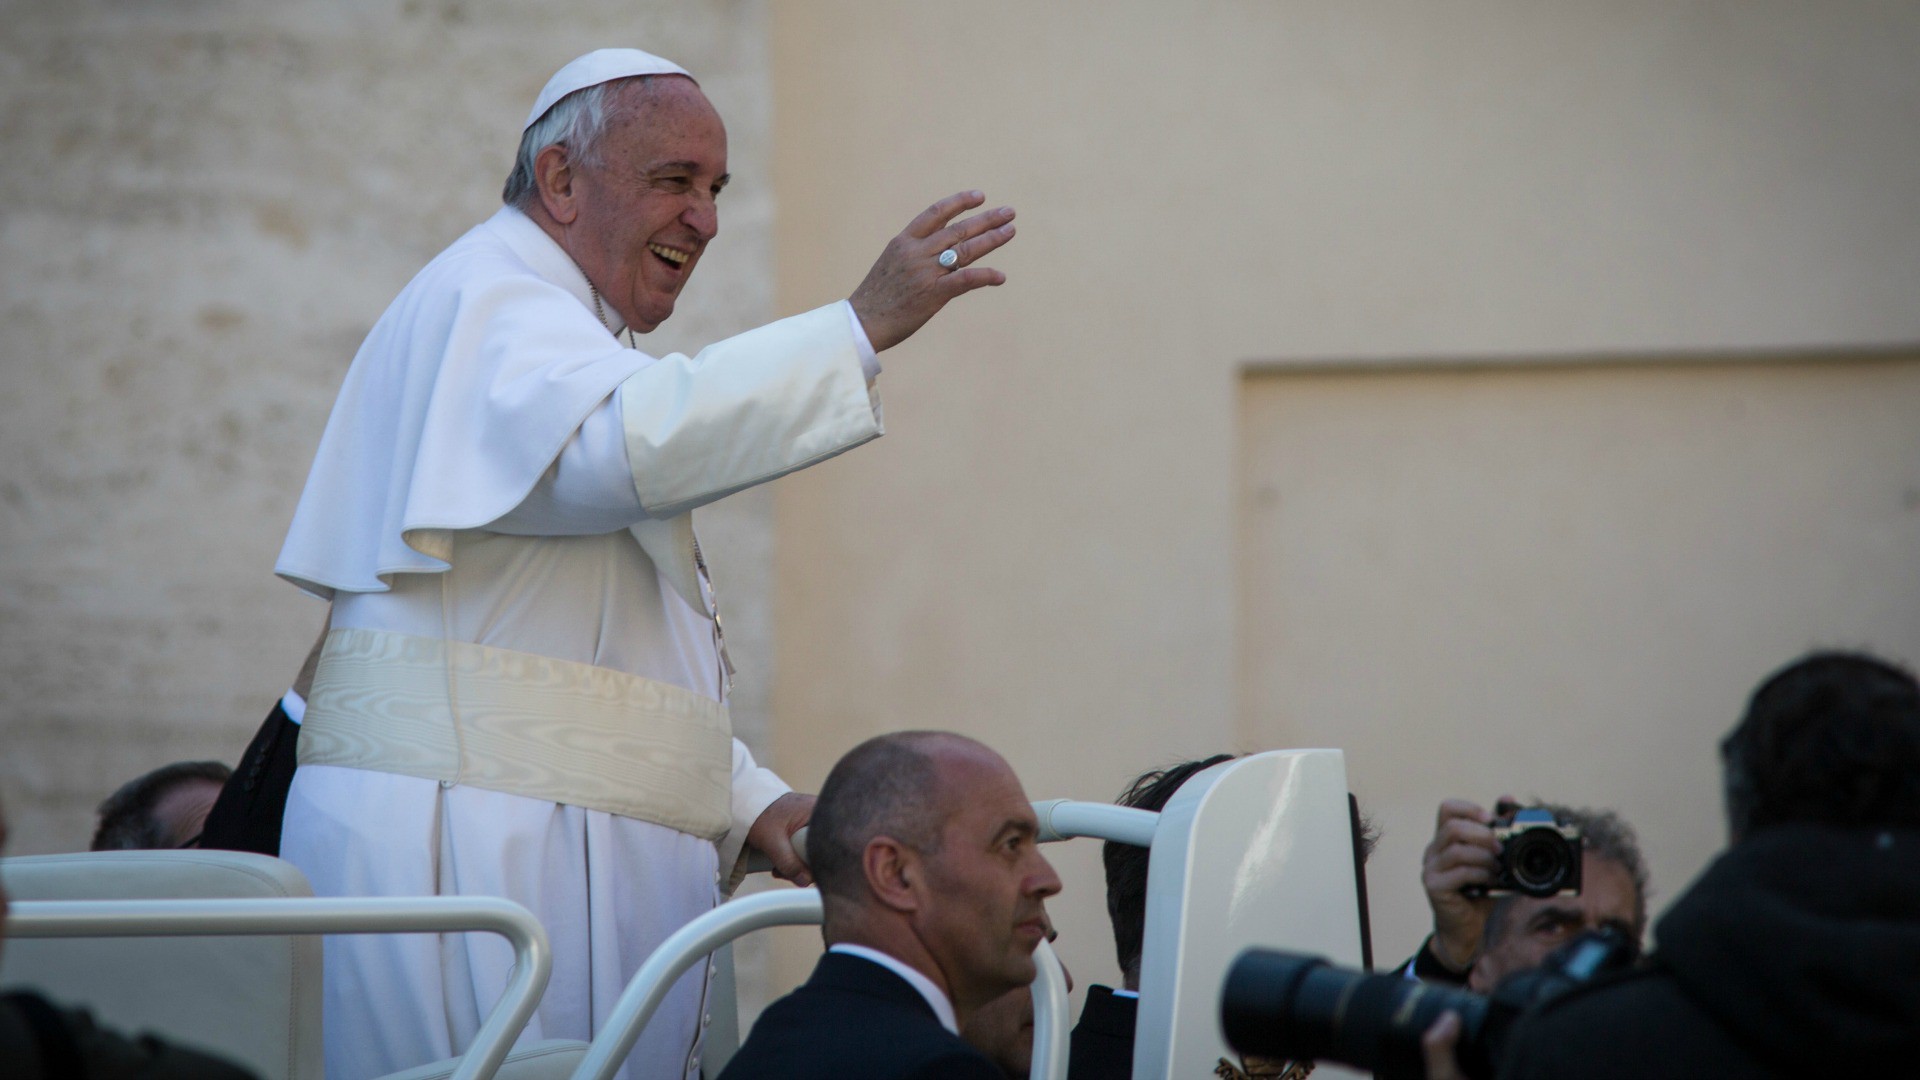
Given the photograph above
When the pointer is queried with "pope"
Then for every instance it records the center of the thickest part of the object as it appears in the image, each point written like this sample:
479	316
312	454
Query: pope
523	689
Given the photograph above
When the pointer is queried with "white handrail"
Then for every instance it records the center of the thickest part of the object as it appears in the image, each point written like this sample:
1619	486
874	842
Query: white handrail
683	948
532	956
1050	1015
1060	819
1065	819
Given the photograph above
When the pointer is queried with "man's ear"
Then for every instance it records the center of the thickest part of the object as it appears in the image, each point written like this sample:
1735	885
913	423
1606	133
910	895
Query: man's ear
553	177
893	873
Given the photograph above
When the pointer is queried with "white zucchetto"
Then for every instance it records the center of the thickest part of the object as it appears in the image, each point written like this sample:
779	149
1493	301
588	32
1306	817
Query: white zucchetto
596	67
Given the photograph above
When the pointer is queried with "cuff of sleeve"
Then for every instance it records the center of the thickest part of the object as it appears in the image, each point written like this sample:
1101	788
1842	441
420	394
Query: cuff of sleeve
869	360
754	789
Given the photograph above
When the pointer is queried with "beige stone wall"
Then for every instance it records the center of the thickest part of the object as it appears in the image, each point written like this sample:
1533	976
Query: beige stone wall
1046	549
203	208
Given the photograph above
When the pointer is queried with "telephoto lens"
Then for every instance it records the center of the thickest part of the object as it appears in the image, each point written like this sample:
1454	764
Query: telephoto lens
1289	1005
1299	1007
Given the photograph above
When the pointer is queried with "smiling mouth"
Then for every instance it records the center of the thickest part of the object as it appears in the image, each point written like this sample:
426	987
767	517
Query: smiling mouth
671	256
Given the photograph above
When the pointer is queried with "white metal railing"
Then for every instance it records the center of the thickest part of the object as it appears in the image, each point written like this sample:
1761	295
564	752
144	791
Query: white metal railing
532	956
1066	819
683	948
1060	819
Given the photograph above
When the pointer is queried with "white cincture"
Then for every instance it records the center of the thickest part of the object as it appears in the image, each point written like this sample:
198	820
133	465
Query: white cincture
529	725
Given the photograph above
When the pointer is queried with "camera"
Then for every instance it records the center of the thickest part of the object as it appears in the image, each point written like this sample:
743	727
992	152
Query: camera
1538	855
1294	1006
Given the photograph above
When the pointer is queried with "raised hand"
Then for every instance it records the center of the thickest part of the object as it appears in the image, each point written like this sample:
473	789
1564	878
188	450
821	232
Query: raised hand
907	284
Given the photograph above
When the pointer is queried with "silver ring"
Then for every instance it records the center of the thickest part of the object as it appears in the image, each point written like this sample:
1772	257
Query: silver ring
949	259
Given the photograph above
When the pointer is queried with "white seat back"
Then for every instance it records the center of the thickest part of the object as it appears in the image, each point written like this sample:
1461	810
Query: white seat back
1254	851
254	1000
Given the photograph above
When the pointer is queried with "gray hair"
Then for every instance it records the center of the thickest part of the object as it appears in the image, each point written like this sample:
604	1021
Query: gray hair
575	122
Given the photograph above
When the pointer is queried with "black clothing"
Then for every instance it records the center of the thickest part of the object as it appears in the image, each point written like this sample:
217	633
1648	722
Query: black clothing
1102	1046
1796	953
41	1041
246	816
1428	968
855	1020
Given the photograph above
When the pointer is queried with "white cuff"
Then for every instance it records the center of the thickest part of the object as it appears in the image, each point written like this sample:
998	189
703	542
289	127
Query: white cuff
869	360
754	789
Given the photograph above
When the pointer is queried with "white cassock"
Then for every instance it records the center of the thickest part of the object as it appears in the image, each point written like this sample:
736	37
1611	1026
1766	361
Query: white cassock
501	480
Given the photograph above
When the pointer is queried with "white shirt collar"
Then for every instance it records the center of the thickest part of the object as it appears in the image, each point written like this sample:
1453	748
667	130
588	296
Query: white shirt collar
551	261
294	706
942	1008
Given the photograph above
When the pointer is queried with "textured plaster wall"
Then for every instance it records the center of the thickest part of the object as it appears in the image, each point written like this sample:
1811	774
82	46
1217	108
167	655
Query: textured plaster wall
203	208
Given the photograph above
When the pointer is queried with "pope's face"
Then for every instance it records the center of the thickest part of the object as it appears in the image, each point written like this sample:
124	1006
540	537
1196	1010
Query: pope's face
645	211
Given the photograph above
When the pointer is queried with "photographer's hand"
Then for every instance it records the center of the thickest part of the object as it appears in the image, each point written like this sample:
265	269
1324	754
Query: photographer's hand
1437	1048
1463	852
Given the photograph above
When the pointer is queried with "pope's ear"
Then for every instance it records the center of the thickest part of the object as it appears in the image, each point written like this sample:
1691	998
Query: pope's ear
553	177
892	870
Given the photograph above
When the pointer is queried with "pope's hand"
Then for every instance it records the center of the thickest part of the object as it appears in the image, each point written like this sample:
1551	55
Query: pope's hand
772	836
907	283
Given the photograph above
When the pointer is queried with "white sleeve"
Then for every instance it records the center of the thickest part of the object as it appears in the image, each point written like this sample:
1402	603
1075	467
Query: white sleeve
747	410
686	431
754	789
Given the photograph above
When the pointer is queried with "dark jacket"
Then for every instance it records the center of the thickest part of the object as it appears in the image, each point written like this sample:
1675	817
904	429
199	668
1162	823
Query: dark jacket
41	1041
1102	1047
246	816
1796	953
855	1020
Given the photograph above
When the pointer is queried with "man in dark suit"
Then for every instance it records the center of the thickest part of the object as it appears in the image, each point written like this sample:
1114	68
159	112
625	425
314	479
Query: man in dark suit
247	815
925	849
1102	1046
1102	1042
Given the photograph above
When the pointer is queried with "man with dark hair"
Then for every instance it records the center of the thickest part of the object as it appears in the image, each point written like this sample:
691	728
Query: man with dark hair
248	813
1795	952
163	809
1479	940
925	849
1103	1039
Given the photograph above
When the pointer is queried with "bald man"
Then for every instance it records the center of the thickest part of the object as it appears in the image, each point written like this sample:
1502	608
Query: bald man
926	851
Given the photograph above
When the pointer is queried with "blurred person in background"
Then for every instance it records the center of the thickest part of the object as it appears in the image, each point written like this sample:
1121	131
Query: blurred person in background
166	808
1795	952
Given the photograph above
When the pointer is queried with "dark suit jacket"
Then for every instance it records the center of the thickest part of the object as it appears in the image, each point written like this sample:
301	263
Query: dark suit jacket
1102	1047
855	1020
246	816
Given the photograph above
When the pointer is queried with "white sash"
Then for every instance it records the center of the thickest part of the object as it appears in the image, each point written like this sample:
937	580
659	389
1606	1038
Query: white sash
523	724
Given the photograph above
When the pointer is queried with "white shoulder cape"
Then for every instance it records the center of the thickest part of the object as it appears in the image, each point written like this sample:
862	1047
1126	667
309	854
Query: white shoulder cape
462	395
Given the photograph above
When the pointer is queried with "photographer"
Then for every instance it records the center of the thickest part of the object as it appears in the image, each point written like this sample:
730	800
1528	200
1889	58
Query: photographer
1794	953
1478	940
